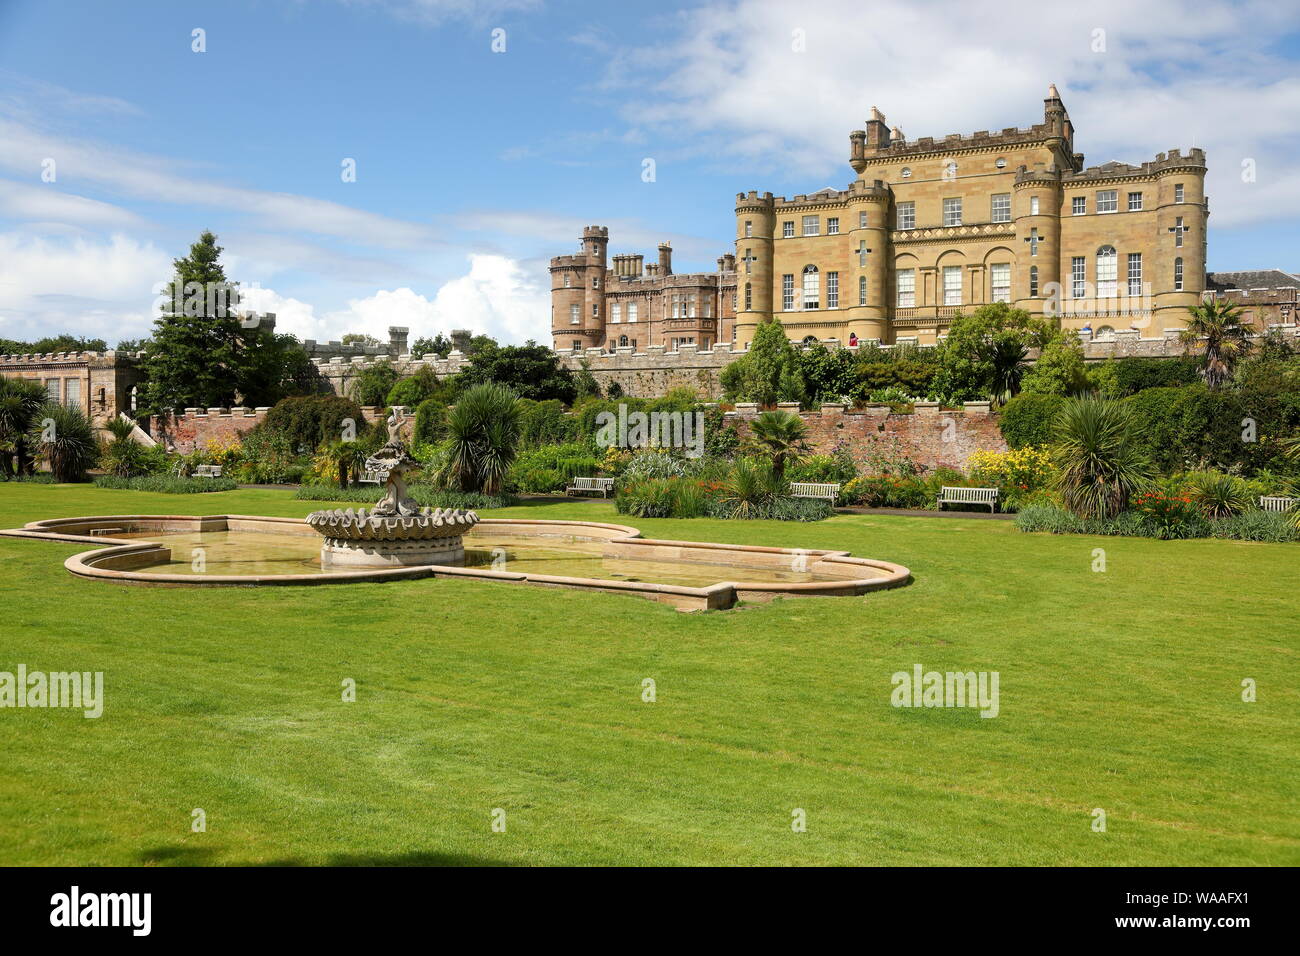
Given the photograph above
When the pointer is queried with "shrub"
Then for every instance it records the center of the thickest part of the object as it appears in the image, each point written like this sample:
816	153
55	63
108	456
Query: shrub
166	484
1119	378
1028	419
1217	495
430	421
652	463
545	423
1256	526
64	437
374	383
483	439
1101	466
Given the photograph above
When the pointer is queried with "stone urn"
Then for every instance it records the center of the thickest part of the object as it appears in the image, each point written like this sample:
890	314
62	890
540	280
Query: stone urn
396	532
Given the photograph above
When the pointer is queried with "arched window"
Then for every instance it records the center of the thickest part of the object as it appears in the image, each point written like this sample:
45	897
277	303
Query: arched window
907	173
622	341
811	288
1105	334
862	290
1178	274
1033	282
749	297
810	340
1107	273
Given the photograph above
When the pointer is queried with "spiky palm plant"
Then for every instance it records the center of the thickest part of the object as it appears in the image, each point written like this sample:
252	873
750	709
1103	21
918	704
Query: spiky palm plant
751	486
65	438
781	436
1006	355
20	400
1100	465
483	438
1217	495
1215	333
122	456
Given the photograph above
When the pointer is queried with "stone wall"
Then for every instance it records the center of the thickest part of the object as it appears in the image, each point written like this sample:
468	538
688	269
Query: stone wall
930	436
198	426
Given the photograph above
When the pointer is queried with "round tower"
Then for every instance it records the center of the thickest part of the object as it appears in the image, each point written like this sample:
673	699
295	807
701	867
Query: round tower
755	226
1180	212
578	293
870	254
1038	286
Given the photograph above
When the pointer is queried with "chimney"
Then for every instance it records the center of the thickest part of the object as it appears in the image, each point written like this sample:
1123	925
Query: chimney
635	265
877	130
665	258
397	339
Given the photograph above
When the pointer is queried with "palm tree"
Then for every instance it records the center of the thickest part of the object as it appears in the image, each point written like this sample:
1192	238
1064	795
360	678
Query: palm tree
781	436
345	458
20	400
1006	354
1214	330
123	457
483	437
1100	464
64	437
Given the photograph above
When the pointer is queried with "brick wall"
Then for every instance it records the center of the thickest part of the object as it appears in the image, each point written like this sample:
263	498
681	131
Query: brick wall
931	436
194	429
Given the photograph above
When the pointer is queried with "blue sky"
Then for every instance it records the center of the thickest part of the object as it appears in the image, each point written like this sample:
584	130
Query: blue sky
473	167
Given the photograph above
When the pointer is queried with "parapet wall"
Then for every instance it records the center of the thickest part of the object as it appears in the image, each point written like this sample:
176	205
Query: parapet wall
931	436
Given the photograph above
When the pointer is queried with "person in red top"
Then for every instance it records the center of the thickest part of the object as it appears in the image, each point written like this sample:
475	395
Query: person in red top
853	338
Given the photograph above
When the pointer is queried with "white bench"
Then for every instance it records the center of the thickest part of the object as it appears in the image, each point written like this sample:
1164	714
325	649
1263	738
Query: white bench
969	496
207	471
603	485
1277	503
814	489
372	477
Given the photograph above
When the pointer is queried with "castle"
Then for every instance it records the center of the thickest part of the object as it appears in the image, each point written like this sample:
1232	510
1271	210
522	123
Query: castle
927	229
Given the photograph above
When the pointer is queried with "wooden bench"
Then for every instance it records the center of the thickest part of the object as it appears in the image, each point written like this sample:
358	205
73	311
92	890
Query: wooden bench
1277	503
969	496
814	489
207	471
372	477
603	485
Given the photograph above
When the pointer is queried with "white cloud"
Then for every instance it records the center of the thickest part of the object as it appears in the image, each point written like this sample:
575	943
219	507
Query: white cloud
1173	73
496	297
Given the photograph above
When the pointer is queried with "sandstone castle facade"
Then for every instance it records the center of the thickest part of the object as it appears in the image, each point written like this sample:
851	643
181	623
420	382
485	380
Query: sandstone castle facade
927	229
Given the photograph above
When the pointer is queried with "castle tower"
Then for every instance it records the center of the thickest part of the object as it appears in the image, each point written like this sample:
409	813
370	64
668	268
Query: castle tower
1181	211
578	293
869	257
1036	206
755	227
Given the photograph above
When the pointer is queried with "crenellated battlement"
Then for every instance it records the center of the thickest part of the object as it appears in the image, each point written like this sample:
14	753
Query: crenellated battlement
49	358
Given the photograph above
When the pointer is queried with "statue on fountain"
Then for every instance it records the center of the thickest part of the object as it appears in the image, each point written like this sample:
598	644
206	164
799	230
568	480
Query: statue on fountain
396	531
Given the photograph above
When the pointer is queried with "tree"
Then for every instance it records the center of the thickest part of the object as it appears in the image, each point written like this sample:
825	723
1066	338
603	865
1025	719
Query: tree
782	437
271	366
438	345
827	375
192	358
530	370
1005	355
483	439
20	401
64	437
360	338
978	358
374	383
585	383
1215	333
420	387
768	372
1101	465
1060	369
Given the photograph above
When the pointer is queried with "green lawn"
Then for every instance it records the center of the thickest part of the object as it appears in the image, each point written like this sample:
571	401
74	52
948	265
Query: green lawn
1119	690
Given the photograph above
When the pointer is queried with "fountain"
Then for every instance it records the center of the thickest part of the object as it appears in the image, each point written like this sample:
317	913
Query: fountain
396	532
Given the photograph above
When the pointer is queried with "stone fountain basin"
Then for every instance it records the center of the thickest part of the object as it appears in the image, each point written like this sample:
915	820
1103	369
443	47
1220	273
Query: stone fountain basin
362	525
122	559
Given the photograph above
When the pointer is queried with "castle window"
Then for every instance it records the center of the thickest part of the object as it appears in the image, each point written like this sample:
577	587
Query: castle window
1000	163
1134	273
749	261
622	341
567	280
1079	205
811	226
575	314
907	173
749	297
862	290
833	226
787	229
616	312
1107	272
1033	205
1134	202
749	228
1178	274
595	282
72	392
832	290
1033	282
1178	192
952	285
1178	232
1108	200
595	309
952	212
906	288
577	344
862	220
52	390
631	311
1002	207
1078	277
787	292
1000	281
862	254
907	215
950	171
811	288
